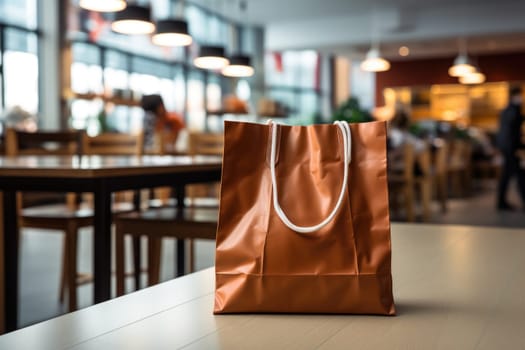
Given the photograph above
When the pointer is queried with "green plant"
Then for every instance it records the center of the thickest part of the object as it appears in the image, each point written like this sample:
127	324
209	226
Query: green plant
351	112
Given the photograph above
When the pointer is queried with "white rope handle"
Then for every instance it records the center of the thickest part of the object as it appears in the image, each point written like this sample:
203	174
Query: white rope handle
347	150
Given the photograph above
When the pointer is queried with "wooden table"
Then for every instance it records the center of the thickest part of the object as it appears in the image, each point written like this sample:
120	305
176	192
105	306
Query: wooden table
456	287
101	175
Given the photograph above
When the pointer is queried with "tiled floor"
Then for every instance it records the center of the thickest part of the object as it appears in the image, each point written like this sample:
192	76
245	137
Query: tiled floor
41	251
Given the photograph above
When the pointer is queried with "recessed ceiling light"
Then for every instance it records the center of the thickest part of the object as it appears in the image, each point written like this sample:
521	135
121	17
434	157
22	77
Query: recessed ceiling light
404	51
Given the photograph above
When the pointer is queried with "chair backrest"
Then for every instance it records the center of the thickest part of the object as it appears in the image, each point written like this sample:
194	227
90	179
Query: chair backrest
424	161
43	142
409	159
441	159
114	144
460	154
206	143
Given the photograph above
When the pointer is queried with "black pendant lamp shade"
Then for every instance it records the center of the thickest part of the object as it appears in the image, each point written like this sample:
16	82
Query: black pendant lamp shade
211	57
240	66
133	19
172	32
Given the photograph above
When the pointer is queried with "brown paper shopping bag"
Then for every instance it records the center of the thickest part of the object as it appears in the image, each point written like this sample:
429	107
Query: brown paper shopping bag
304	223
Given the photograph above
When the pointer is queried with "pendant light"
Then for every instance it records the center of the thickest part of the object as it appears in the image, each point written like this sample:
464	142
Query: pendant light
103	5
374	62
462	64
211	57
240	65
133	20
173	31
473	78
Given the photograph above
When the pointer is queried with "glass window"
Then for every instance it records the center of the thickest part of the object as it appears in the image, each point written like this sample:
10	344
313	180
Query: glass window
168	93
213	93
84	115
195	104
180	90
144	84
86	72
116	82
243	90
118	118
116	77
197	22
20	63
19	12
309	105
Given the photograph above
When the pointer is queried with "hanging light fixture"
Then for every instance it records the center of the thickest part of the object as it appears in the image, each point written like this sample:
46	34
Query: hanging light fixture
103	5
374	62
133	20
462	64
240	66
475	77
211	57
173	31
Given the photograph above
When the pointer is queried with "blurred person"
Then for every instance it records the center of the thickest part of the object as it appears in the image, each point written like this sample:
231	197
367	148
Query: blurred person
398	136
161	128
509	142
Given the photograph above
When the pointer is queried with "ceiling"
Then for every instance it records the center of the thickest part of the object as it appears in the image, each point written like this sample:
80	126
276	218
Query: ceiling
347	27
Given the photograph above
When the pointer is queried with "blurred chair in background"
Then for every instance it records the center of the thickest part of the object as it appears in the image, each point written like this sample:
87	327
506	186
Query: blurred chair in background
66	217
193	222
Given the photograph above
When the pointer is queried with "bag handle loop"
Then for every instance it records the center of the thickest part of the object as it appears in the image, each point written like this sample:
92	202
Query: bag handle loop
347	150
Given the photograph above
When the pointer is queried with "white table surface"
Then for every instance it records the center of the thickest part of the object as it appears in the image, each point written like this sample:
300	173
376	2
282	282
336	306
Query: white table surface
455	287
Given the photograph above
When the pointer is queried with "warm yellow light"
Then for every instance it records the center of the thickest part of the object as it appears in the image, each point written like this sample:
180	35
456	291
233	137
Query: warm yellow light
211	62
404	51
238	71
133	27
461	70
103	5
473	78
374	63
171	39
462	66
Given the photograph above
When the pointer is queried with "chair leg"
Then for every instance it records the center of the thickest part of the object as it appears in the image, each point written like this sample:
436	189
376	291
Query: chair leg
409	202
63	271
71	268
120	259
137	261
192	254
426	198
442	192
154	255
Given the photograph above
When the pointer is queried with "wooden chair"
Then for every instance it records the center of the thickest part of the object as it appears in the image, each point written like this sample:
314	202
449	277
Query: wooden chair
194	222
115	144
401	182
459	168
423	182
68	217
440	175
